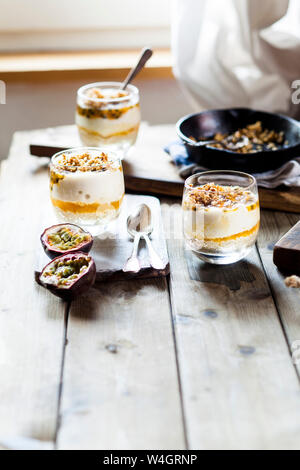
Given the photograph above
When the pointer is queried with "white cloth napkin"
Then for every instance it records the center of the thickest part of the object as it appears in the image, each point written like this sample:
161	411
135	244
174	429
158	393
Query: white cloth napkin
287	175
237	53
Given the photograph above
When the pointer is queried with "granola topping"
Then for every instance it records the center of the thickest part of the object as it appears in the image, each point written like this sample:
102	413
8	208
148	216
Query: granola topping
85	162
214	195
98	97
94	93
97	93
258	139
292	281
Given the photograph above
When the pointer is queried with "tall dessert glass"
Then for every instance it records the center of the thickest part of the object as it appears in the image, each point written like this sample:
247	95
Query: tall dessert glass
220	215
107	116
86	187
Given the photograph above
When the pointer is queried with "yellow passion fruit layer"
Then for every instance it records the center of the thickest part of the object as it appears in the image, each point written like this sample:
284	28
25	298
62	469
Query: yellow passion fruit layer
85	208
110	113
55	178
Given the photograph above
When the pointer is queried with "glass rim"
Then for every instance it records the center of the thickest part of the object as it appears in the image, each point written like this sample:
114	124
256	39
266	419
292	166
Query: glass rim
134	91
114	155
223	172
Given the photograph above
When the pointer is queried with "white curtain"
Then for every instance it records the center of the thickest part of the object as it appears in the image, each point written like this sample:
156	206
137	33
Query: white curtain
238	52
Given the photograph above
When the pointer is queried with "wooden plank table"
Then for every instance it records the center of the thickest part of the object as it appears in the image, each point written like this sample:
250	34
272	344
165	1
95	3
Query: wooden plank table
200	360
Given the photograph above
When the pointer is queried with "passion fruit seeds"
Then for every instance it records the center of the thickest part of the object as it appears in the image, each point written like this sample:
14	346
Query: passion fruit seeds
69	275
66	270
65	238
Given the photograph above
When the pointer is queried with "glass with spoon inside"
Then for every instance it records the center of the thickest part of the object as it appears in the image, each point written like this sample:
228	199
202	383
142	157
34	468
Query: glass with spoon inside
107	116
86	187
221	215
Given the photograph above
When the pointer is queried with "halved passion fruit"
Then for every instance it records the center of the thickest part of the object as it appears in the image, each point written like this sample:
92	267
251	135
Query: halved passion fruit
69	275
65	238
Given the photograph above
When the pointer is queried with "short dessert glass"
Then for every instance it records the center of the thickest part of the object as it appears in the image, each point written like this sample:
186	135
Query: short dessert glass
107	116
220	215
86	187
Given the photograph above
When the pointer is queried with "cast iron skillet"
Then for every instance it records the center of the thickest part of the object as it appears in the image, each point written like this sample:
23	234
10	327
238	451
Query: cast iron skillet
206	124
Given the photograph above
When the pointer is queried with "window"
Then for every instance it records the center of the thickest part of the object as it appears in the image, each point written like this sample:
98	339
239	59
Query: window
35	25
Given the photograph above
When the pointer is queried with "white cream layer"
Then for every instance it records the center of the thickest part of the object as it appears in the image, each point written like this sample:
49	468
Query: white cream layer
107	127
89	187
215	222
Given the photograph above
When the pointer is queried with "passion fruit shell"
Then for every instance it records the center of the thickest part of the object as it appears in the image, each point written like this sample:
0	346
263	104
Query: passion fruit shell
65	238
69	275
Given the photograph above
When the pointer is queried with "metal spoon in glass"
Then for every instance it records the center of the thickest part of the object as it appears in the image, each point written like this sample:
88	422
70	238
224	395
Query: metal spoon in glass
144	57
139	226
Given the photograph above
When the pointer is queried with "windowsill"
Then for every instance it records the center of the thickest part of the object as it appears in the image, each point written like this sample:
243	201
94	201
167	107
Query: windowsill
18	66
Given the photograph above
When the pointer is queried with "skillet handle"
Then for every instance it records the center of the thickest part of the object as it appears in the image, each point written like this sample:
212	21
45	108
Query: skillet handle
200	143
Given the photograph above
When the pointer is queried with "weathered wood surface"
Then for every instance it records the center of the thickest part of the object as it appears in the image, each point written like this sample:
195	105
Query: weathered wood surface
148	169
208	367
240	389
120	380
31	320
274	225
121	376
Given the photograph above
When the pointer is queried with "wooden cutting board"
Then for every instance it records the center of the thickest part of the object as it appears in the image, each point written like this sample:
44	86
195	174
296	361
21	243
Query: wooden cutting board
148	169
112	249
286	254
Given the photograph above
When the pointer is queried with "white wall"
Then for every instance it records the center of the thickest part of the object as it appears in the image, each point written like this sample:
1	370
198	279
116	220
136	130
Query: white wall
83	24
38	104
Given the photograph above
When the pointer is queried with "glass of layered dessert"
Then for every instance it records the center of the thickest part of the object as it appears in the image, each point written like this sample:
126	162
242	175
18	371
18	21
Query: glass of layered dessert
107	116
220	215
87	187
